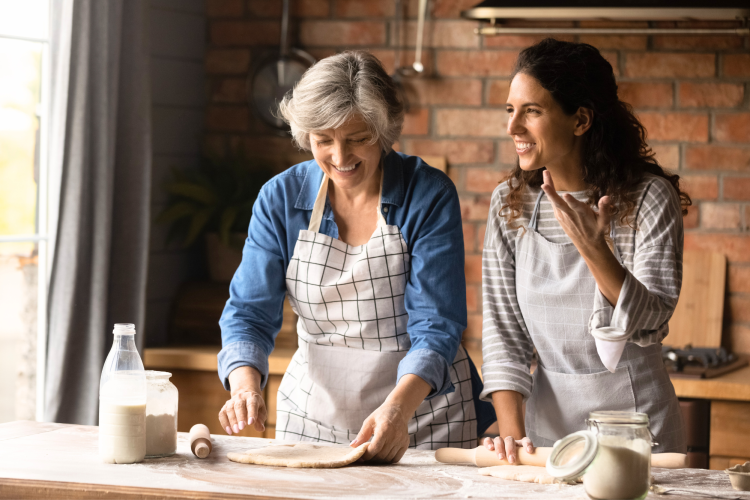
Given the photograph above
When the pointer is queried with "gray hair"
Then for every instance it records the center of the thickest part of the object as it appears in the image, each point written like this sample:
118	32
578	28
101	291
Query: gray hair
338	88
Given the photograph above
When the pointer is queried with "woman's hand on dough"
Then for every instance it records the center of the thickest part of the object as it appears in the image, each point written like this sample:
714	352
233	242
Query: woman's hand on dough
389	425
246	406
506	447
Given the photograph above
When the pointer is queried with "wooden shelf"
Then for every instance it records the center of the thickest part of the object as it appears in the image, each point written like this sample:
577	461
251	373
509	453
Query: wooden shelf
203	358
733	386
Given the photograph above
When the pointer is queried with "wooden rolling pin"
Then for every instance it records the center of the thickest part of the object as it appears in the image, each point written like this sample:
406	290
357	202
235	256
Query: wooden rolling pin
483	457
200	441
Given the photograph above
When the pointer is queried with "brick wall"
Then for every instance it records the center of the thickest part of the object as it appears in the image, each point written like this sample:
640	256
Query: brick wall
691	92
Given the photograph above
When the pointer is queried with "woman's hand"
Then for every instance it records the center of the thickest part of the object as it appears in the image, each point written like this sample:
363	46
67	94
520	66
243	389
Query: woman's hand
389	425
587	230
246	406
390	422
506	447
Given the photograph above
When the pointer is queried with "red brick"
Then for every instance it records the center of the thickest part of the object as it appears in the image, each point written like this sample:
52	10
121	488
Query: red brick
668	155
471	122
386	58
227	61
227	118
475	208
736	188
646	94
417	122
700	187
473	298
508	155
473	333
720	216
690	221
711	95
470	236
669	65
738	278
498	92
437	34
450	8
458	151
223	33
734	127
746	222
617	42
697	42
475	62
739	308
701	24
735	246
613	57
225	8
481	235
299	8
736	65
473	268
603	23
363	8
229	90
482	180
341	33
675	126
426	91
519	41
717	158
739	339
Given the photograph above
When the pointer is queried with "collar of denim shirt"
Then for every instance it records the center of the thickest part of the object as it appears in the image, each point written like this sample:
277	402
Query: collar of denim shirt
393	184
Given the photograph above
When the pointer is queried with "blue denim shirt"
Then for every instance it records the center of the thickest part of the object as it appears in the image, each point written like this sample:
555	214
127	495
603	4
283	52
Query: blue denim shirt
420	200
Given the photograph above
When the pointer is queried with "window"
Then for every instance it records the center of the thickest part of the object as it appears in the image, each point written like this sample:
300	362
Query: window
24	83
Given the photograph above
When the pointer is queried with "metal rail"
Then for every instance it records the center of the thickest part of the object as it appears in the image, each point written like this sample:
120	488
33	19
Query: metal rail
497	30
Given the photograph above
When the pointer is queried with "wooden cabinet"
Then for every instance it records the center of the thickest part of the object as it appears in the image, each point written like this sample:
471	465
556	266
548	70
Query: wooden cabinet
730	433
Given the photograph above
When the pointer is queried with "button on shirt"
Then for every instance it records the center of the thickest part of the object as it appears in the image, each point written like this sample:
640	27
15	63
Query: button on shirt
420	200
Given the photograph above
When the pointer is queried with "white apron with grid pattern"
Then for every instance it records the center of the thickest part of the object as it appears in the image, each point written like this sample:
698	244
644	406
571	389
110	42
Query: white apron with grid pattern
352	336
555	291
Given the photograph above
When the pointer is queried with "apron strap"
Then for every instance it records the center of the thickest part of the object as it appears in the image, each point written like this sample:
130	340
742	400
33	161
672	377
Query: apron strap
534	224
320	205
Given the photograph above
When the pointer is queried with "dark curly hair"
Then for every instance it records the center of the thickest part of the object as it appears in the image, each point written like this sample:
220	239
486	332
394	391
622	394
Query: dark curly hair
615	155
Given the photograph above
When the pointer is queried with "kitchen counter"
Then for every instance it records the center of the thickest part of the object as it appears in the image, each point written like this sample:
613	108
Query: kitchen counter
43	460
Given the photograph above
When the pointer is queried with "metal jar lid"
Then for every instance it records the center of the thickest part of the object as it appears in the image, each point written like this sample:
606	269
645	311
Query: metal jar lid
571	455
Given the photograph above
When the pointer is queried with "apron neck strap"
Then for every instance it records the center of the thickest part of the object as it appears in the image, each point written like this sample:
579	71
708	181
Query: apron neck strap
534	225
320	204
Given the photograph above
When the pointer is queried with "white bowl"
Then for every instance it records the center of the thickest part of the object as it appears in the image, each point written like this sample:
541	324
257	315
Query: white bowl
739	476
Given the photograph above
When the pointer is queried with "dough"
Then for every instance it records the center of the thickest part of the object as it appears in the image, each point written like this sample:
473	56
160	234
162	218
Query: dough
301	455
523	473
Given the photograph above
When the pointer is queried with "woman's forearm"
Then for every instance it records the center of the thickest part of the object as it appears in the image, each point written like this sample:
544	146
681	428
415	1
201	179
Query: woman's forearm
509	410
245	378
605	268
409	393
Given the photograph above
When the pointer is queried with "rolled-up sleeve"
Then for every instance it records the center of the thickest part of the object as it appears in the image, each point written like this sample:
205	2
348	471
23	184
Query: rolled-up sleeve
435	295
253	314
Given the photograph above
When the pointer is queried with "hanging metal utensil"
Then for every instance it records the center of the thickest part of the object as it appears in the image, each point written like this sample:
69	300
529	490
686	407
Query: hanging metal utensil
276	75
417	68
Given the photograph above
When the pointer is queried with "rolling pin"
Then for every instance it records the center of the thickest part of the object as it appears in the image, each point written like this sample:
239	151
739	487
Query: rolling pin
200	440
483	457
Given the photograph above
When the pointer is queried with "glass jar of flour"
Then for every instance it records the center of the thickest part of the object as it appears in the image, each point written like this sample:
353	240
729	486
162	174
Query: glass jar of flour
613	456
161	415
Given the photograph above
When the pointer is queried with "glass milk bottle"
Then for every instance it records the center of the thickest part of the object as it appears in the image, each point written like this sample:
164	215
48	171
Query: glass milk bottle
122	401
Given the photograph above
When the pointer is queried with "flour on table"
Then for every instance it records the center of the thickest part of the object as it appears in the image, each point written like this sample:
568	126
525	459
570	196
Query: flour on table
522	473
301	455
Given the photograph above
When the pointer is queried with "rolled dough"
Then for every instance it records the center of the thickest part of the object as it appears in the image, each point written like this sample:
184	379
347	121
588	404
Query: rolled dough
523	473
301	455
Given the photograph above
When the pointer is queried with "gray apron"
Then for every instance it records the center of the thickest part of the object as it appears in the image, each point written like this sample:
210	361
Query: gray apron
352	336
556	294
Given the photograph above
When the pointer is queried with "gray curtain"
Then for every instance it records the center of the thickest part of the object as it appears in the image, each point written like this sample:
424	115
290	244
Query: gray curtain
101	250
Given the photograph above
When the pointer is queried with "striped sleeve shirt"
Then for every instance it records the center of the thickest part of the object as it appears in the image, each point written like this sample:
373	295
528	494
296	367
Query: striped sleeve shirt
650	254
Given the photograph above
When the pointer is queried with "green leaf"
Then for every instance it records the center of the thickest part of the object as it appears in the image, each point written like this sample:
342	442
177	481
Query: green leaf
176	212
199	221
228	216
193	191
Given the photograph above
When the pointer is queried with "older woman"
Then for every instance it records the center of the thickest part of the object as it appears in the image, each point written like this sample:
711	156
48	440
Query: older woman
582	258
367	243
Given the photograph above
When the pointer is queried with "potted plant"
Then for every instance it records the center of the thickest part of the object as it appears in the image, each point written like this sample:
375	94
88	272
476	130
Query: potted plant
215	203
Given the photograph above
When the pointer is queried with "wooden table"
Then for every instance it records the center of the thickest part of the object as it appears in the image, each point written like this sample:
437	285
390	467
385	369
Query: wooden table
41	460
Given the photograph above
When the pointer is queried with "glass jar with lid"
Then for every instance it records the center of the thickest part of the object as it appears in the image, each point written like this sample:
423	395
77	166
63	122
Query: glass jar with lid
613	456
161	415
